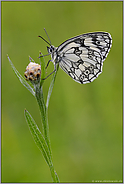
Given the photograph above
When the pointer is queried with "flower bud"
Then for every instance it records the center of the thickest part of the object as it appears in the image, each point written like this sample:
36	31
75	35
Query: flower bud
33	73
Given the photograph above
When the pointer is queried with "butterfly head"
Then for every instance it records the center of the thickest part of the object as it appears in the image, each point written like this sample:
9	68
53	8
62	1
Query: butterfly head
51	49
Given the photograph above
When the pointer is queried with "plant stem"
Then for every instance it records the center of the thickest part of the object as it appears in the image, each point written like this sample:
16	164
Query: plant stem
54	175
44	114
44	117
51	87
40	100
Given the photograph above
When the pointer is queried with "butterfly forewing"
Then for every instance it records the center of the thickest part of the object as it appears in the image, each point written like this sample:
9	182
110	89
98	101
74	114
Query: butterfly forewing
82	57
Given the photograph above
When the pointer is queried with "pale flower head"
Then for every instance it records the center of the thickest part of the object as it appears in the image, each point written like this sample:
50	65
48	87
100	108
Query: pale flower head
33	73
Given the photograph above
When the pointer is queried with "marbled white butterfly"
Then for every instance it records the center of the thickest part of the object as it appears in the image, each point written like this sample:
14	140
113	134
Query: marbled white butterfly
81	57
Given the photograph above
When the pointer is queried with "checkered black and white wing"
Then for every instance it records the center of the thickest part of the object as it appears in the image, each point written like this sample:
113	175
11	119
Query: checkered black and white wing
82	57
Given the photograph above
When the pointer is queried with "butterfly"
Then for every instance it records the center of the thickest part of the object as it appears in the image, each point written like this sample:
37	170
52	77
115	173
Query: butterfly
81	57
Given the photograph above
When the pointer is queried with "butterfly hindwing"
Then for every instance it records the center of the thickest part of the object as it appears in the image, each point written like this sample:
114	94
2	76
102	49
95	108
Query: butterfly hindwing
82	57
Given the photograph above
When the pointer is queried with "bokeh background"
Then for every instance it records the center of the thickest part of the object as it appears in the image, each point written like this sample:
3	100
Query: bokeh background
85	121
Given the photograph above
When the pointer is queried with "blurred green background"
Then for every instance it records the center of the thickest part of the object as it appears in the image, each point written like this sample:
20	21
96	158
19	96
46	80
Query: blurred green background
85	120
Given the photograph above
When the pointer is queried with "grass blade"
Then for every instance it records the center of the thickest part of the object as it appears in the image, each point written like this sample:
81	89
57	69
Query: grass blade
38	138
51	86
22	80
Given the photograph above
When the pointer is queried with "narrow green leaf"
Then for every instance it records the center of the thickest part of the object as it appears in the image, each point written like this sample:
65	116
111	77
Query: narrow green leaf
41	143
41	103
38	138
51	86
22	80
42	61
54	175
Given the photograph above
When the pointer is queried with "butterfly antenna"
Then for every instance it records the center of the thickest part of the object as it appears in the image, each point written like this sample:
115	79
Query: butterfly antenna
44	40
47	36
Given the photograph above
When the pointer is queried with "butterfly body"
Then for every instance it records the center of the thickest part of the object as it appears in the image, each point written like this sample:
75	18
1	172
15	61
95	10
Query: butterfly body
82	57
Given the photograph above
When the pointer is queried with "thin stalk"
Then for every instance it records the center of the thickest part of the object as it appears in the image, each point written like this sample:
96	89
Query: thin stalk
44	116
51	87
42	62
40	100
54	175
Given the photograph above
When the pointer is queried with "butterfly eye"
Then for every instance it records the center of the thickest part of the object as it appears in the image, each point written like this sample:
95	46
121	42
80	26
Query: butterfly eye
51	49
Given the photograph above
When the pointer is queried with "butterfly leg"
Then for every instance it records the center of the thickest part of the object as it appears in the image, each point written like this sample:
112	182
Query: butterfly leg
50	74
47	64
52	71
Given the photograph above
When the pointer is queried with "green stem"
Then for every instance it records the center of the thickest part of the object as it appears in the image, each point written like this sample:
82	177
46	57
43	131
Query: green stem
44	116
42	62
40	100
53	172
51	87
54	175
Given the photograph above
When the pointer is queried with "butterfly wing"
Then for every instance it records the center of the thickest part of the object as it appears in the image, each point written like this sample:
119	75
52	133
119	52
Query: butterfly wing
82	57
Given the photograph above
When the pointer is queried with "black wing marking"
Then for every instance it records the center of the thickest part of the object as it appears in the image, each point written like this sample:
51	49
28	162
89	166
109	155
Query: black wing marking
82	57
